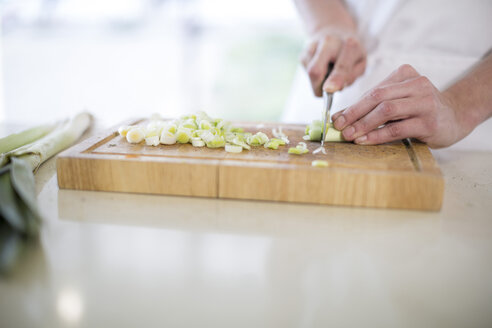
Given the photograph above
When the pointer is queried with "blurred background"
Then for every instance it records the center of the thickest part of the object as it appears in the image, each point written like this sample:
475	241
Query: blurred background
130	58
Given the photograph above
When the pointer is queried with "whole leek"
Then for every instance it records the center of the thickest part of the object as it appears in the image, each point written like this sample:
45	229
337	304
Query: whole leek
19	214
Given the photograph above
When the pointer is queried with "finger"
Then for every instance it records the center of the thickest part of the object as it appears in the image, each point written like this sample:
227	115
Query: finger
308	53
394	131
326	51
358	70
337	114
374	97
402	73
350	54
386	111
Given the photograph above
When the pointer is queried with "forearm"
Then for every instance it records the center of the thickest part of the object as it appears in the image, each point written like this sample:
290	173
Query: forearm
320	14
471	96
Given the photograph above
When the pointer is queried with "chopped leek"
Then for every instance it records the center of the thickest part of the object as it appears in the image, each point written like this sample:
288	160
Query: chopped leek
152	141
135	135
168	138
183	135
300	149
216	142
201	130
258	139
314	132
233	148
274	143
123	130
319	163
280	135
197	142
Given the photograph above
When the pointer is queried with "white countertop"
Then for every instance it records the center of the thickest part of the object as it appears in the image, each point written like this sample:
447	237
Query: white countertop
126	260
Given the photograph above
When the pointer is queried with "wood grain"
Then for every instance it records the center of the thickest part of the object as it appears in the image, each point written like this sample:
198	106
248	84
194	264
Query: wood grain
373	176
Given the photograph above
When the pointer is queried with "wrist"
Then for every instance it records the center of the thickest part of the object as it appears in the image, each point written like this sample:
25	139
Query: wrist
341	32
464	117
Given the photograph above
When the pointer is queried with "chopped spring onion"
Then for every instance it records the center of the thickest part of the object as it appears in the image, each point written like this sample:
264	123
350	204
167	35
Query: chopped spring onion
152	141
314	132
135	135
201	130
280	134
333	135
205	125
233	148
239	142
300	149
319	149
123	130
170	127
189	124
197	142
319	163
183	135
274	143
216	142
258	139
168	138
153	132
155	125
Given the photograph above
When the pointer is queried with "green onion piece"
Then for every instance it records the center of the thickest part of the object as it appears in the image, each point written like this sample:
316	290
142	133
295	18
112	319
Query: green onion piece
258	139
240	142
197	142
300	149
297	151
233	148
315	133
135	135
170	127
334	135
189	124
168	138
205	125
319	163
152	141
236	130
274	143
216	142
183	135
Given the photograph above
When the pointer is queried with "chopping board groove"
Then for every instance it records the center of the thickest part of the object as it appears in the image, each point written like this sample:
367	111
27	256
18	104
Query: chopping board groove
397	175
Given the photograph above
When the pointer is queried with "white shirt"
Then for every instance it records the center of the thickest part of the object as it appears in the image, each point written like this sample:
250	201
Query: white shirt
440	38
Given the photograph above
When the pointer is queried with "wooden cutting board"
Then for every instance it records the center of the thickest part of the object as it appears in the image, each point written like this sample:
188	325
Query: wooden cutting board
390	176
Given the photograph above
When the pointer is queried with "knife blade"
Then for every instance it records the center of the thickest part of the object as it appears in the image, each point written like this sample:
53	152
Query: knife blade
328	99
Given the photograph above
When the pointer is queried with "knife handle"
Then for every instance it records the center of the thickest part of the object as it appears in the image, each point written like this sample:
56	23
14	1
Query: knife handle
328	72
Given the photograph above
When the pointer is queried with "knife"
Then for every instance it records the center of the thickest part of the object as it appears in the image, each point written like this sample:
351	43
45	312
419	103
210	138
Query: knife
328	99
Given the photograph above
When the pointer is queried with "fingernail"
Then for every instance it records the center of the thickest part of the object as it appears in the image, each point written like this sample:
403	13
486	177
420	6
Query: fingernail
361	140
340	122
330	87
348	132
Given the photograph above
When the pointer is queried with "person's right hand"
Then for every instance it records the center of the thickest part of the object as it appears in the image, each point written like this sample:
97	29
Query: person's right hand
330	46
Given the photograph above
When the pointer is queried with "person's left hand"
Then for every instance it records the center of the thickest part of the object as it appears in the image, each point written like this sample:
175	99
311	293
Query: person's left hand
404	105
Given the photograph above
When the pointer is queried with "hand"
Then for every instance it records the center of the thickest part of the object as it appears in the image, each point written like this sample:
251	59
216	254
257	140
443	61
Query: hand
409	106
333	46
